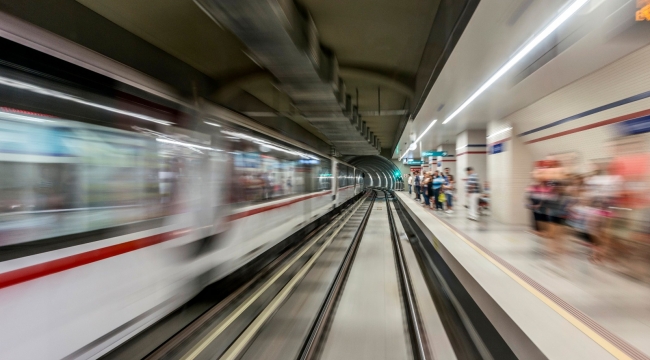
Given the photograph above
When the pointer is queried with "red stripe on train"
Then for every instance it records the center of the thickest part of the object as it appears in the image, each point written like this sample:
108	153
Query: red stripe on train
25	274
244	214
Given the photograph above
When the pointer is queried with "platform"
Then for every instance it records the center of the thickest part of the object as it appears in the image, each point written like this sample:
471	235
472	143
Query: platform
542	309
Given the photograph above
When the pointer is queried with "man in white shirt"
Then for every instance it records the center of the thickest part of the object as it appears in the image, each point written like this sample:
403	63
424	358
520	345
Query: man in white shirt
410	183
473	193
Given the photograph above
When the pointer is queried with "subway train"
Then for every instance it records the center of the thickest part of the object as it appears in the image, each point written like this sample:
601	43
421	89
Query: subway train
118	205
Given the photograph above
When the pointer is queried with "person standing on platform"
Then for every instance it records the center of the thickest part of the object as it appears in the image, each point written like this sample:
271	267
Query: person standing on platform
446	175
438	183
416	183
556	205
449	193
473	193
425	186
410	183
533	203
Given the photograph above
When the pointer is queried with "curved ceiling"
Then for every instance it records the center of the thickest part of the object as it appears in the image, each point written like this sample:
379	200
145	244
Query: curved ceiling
386	39
387	53
375	165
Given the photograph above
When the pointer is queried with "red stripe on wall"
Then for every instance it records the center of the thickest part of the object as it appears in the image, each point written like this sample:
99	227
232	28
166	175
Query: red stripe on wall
592	126
499	142
25	274
262	209
471	153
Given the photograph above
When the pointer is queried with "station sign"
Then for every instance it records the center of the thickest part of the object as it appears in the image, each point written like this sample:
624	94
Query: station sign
636	126
414	162
433	153
497	148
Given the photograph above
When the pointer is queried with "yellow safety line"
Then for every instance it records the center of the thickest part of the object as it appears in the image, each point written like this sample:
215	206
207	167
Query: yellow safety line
604	343
201	345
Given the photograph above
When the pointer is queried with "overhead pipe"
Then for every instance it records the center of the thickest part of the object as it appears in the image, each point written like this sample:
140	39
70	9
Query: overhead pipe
285	41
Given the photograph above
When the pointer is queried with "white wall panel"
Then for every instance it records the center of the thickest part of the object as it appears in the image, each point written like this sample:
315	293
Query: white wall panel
619	80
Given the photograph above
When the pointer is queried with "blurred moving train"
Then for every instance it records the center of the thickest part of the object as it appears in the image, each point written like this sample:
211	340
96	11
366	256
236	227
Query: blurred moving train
116	206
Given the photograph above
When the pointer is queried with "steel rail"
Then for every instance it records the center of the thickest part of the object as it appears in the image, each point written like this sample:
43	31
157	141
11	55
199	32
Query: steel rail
416	330
316	334
170	345
244	340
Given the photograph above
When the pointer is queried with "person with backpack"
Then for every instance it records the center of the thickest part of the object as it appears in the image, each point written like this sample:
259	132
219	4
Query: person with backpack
438	183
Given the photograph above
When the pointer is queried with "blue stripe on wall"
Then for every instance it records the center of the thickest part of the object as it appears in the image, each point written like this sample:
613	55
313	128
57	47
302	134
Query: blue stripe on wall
625	101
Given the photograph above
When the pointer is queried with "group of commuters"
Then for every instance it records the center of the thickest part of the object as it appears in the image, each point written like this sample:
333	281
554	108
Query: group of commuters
434	189
438	189
607	208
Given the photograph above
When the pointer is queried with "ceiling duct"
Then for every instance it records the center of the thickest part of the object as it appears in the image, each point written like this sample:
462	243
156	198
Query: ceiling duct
286	42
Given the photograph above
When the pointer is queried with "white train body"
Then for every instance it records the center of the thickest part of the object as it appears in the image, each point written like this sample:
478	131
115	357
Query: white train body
106	229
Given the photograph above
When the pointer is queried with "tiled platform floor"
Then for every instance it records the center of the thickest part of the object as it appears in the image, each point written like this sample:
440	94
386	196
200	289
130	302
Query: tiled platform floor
619	303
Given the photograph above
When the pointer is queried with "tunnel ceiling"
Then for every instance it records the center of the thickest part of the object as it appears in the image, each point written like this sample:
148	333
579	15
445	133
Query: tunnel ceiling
373	164
387	51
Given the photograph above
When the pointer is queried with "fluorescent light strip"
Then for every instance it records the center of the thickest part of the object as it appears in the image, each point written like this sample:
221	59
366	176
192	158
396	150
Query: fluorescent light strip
12	116
499	132
268	144
187	145
211	123
63	96
425	131
575	6
412	147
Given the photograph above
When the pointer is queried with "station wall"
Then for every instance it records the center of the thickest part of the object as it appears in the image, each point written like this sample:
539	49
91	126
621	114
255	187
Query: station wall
582	117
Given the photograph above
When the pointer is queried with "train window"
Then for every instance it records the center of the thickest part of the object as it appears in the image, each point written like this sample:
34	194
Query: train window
265	170
62	177
324	175
342	175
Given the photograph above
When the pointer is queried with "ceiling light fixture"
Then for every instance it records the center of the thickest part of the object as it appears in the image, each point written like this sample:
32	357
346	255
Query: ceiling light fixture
185	144
566	14
59	95
499	132
414	145
268	144
10	116
211	123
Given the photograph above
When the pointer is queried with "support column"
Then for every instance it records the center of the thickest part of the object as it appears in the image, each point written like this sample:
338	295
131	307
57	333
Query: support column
470	151
509	167
449	160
